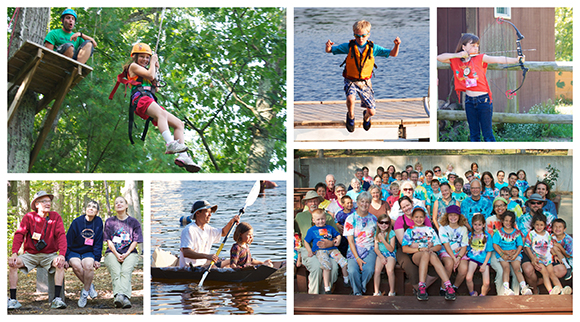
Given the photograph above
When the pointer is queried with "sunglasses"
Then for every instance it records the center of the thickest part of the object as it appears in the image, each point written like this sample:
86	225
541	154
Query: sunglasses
408	189
536	202
384	222
438	170
362	36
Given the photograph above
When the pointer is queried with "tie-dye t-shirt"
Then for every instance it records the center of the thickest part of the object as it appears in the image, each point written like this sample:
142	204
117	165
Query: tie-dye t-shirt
421	236
122	233
470	207
459	196
363	231
567	242
456	237
540	246
507	241
479	246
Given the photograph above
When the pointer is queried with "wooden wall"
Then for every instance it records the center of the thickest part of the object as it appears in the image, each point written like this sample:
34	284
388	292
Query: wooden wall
537	26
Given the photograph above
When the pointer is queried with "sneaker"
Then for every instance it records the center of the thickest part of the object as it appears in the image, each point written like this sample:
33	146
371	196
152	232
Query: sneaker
526	291
473	293
126	302
119	300
349	123
13	304
566	290
568	275
377	294
58	303
422	294
450	294
367	123
508	292
187	163
441	292
556	290
83	299
92	292
175	147
392	294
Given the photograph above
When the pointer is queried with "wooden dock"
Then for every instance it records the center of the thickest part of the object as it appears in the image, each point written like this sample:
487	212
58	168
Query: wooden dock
350	304
396	119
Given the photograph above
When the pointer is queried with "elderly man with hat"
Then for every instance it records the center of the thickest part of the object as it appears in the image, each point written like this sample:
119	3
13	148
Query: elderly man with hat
302	222
198	236
42	234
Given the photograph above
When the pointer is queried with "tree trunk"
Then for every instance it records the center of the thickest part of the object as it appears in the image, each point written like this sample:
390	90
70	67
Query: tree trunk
132	195
23	198
58	192
31	24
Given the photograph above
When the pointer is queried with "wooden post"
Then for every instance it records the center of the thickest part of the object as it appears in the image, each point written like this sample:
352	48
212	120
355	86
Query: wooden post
24	79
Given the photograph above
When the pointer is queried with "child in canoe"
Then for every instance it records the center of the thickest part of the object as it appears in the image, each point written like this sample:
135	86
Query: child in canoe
358	70
240	255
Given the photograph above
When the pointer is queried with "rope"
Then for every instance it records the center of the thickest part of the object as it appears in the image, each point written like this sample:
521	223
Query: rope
160	28
12	23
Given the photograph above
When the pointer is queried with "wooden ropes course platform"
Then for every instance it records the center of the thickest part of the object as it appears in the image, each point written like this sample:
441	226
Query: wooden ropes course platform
36	68
395	119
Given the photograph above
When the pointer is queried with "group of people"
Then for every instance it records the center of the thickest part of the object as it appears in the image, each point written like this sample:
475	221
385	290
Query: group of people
198	236
433	219
45	244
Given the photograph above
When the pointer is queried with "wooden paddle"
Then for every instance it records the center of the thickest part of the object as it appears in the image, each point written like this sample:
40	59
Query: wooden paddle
250	199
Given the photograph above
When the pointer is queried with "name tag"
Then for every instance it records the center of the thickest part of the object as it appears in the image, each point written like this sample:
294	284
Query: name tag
470	82
89	241
36	236
117	240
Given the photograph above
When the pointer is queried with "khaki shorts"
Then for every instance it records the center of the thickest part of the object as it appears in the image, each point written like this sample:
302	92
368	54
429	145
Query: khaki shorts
32	261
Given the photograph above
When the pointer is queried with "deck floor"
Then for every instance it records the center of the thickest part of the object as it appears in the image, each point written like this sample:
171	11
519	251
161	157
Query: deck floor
325	121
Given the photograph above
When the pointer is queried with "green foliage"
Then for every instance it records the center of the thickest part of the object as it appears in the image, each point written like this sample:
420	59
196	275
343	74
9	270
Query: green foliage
564	34
204	54
551	176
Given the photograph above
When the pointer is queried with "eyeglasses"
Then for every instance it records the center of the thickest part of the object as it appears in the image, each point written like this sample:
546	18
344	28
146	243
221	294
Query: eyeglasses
384	222
362	36
44	201
407	189
536	202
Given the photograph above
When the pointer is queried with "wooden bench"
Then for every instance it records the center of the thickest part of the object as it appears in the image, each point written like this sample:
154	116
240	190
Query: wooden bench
344	304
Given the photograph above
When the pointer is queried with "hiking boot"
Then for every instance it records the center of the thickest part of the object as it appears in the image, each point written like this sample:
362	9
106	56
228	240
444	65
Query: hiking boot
83	299
126	302
566	290
175	147
58	303
422	294
119	300
187	163
349	123
13	304
367	123
450	294
526	290
92	292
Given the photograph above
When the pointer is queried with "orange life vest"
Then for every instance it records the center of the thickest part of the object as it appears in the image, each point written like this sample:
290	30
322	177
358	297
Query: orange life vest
359	65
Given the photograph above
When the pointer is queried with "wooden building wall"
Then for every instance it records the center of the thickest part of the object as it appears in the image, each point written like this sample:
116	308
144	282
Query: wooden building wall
537	26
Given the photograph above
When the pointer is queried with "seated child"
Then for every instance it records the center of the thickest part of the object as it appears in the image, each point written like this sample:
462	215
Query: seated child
479	254
320	231
459	195
507	242
394	197
422	243
240	255
454	237
358	70
538	246
562	249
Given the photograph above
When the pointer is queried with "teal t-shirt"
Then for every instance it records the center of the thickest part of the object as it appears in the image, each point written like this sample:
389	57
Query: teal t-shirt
57	37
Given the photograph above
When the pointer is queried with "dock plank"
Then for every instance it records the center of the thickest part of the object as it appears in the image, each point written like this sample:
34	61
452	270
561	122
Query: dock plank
349	304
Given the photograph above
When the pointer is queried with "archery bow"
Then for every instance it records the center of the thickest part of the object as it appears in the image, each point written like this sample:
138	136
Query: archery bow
511	93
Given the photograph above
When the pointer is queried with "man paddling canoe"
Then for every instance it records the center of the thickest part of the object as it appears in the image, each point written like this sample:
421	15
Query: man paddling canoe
198	236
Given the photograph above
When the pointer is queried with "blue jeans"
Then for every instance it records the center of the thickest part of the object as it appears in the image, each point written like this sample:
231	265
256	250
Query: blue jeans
359	279
479	111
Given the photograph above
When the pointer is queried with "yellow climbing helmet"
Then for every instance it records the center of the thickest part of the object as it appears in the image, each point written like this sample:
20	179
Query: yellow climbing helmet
141	48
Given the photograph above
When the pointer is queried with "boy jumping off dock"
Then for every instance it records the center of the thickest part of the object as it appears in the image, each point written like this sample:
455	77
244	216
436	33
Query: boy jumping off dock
358	70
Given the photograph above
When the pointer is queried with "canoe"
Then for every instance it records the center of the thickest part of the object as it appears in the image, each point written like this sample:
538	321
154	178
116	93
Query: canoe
169	271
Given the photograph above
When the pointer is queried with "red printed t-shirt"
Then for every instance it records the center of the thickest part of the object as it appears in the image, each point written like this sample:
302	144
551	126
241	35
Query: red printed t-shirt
475	80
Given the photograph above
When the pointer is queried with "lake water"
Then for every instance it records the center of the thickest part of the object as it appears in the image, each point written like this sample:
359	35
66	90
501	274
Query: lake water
172	199
317	75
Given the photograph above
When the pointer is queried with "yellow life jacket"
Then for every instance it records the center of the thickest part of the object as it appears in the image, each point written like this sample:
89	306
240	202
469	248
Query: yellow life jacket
357	65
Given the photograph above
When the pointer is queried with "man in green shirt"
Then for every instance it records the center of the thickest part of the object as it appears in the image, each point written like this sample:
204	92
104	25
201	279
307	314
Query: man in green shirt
77	45
303	221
